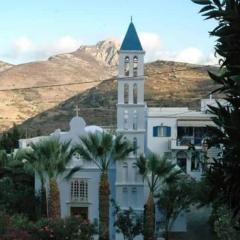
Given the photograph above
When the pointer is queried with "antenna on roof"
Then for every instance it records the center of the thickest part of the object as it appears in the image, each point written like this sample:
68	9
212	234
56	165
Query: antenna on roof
131	19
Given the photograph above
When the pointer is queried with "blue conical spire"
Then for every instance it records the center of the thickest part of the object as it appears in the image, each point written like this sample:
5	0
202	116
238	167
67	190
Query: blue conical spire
131	40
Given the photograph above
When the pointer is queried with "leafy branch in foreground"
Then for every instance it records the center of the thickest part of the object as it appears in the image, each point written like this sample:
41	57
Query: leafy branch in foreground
223	174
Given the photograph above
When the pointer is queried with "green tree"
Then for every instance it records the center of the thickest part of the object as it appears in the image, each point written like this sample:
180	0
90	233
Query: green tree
127	222
103	149
225	225
174	198
49	158
223	174
16	185
153	168
9	140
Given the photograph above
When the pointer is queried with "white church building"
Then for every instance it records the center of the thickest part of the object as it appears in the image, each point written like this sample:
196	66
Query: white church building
160	130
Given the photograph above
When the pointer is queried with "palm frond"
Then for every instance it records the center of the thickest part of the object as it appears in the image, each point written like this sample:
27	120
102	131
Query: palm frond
141	164
71	172
103	148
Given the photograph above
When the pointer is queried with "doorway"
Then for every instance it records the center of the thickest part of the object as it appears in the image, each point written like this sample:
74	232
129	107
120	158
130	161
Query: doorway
79	211
182	160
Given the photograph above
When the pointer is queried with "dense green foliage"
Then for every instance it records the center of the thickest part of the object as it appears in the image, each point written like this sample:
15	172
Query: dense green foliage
9	140
223	175
224	225
16	181
16	185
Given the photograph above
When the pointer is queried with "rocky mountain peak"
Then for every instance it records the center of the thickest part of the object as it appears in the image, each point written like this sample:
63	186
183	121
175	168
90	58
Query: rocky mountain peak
4	66
104	51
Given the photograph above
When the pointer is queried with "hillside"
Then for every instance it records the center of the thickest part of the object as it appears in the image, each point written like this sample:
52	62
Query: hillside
88	64
167	84
5	66
48	108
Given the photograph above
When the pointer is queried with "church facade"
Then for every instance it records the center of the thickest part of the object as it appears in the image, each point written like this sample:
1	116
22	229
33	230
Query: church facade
160	130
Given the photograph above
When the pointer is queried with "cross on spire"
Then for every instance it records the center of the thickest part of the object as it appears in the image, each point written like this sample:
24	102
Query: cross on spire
77	110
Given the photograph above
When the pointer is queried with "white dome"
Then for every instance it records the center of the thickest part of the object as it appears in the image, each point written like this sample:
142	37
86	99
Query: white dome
93	129
77	122
77	125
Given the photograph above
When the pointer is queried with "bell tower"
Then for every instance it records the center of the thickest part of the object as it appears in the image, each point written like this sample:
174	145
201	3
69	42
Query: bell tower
131	119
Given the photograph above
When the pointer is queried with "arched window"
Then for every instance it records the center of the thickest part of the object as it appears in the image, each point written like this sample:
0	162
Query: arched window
126	66
135	66
135	120
125	172
126	93
135	146
125	119
136	174
135	93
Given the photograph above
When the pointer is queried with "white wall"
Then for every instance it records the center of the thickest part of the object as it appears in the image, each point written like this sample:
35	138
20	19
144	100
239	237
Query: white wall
160	145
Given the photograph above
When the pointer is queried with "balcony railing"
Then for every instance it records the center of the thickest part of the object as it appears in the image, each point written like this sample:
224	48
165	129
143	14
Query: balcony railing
186	140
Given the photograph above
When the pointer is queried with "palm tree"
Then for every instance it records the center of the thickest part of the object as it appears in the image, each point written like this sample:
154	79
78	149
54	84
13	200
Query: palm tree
102	149
153	168
49	159
35	159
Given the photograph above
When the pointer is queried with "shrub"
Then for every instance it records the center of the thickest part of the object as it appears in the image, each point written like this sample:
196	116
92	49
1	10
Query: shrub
4	222
128	222
20	222
16	235
225	225
71	228
18	227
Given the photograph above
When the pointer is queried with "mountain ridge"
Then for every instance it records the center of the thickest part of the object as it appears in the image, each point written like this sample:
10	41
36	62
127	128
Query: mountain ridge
76	67
167	84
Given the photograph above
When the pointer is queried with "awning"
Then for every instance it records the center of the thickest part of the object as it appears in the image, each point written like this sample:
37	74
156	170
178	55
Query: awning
194	123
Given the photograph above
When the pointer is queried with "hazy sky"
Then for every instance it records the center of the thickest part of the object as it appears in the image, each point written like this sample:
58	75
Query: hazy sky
169	29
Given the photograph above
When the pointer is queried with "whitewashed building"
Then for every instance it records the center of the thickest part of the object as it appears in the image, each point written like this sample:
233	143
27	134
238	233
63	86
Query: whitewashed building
171	131
79	195
160	130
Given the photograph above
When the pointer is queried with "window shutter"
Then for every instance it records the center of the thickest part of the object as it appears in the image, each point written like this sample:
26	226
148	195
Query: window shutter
155	131
168	131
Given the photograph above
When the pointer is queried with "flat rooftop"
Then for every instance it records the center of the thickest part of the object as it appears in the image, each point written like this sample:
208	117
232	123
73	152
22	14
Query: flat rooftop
180	113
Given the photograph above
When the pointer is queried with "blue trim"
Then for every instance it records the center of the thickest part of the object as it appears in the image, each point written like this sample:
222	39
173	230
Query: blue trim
168	131
131	40
155	131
